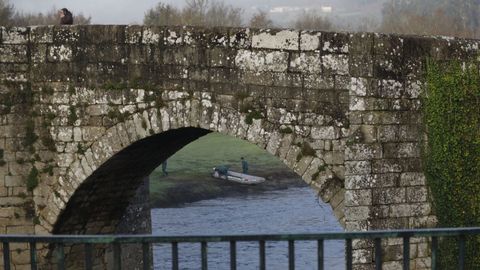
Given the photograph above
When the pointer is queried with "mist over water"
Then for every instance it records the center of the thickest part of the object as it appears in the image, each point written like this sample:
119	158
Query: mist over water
294	210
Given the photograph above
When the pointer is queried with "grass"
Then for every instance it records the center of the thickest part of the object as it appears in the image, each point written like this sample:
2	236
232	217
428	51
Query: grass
191	166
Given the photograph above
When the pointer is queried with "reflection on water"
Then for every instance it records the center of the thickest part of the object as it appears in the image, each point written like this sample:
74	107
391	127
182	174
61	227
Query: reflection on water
294	210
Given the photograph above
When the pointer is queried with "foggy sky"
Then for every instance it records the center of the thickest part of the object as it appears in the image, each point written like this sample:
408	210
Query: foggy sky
133	11
102	11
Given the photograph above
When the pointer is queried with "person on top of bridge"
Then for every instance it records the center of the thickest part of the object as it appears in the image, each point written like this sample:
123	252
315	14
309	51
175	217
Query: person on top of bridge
66	17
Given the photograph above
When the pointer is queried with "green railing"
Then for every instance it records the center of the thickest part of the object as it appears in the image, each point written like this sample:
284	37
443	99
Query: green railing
116	241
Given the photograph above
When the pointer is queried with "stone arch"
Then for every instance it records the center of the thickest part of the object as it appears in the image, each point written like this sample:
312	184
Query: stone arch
135	132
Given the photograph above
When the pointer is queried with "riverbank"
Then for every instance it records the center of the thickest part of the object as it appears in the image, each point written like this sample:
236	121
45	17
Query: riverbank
189	170
173	191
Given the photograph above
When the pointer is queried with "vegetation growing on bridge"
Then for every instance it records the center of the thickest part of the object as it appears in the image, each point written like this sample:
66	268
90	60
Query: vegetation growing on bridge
452	111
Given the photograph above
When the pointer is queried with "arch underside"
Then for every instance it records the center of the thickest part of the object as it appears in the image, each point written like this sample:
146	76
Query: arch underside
102	198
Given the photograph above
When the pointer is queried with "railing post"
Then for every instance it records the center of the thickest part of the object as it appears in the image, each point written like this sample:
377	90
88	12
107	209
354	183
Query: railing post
434	252
33	255
291	255
174	256
204	256
6	255
262	255
349	254
146	256
320	254
60	256
378	253
406	253
117	256
88	256
461	251
233	255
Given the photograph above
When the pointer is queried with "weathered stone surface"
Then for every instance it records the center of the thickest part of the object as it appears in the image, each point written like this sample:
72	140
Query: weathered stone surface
107	95
283	39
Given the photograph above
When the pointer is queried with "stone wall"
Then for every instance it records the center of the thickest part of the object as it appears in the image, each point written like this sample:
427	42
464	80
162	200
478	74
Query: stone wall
86	112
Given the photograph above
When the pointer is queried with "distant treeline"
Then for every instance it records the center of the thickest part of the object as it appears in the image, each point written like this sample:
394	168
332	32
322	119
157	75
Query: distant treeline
216	13
459	18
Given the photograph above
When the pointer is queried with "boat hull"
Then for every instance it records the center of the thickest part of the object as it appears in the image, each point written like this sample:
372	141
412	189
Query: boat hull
240	178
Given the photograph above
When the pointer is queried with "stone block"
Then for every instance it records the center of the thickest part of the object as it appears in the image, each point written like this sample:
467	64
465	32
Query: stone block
388	133
59	53
13	54
401	150
417	194
337	43
386	166
14	181
423	222
240	38
152	35
310	40
334	158
363	151
305	62
324	133
319	82
20	229
68	35
360	43
362	256
357	104
272	39
335	64
389	196
412	179
41	34
357	226
361	65
133	34
392	265
15	35
410	210
361	197
358	87
262	61
357	213
357	167
388	45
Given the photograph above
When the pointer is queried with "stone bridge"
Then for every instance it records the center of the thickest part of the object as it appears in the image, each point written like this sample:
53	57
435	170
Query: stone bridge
87	112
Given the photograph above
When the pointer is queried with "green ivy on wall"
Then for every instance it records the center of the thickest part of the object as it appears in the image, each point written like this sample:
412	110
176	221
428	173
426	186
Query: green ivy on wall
452	117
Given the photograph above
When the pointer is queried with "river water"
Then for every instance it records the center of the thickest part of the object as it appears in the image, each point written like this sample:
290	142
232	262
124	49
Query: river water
294	210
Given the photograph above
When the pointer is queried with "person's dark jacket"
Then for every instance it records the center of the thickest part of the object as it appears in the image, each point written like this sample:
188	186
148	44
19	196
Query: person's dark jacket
67	18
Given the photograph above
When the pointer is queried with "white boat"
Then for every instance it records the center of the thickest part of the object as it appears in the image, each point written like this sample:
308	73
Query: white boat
238	177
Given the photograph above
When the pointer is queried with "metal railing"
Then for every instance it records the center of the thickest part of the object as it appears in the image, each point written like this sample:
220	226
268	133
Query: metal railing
116	242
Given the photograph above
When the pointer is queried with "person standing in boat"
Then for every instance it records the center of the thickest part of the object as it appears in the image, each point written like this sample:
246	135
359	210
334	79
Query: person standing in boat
244	165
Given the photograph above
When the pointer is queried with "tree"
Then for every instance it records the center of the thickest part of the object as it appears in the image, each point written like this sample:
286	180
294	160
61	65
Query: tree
432	17
312	21
162	14
260	20
219	14
197	13
6	13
